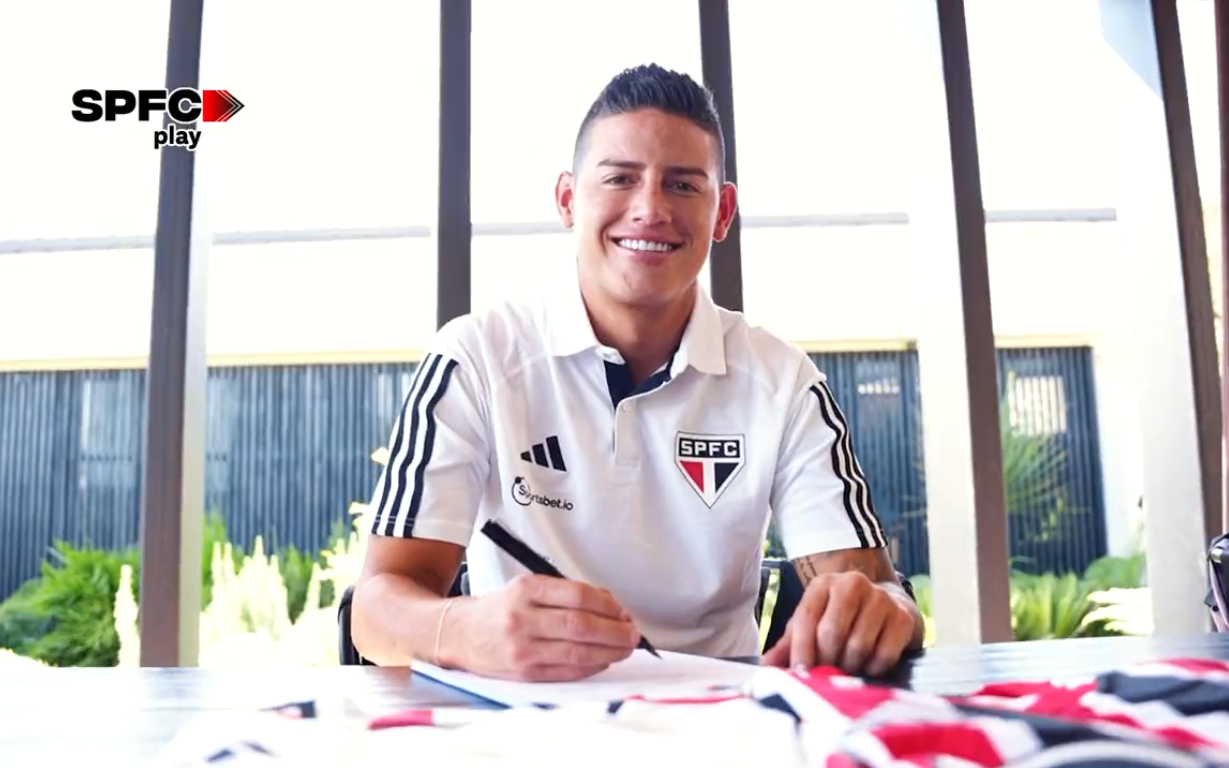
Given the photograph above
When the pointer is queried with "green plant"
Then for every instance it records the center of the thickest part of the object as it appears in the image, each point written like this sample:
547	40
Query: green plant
1032	466
248	623
770	604
296	569
773	546
921	592
65	617
1112	572
1058	606
921	595
1034	470
20	623
1049	606
1124	610
213	532
77	594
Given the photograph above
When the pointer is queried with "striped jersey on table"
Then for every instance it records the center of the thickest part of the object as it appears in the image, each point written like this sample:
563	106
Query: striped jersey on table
1172	713
1167	713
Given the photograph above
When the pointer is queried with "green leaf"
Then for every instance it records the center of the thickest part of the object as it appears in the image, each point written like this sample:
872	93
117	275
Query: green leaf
20	623
76	593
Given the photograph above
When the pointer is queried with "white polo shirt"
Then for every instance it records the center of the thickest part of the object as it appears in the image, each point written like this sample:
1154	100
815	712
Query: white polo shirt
661	495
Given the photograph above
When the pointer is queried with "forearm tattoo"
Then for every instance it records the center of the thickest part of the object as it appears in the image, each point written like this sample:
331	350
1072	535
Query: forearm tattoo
874	563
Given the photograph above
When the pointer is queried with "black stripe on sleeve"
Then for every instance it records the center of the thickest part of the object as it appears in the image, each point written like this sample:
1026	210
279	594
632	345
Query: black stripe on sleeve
394	450
857	499
407	458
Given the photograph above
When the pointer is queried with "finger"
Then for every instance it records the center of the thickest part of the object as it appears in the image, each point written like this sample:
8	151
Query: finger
566	593
864	635
778	655
562	653
891	645
842	609
802	644
579	626
560	673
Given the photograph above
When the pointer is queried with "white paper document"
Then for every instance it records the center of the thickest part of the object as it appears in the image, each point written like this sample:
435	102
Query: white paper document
641	674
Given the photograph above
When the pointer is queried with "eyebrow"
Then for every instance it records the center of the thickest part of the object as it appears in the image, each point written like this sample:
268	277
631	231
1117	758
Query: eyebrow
682	170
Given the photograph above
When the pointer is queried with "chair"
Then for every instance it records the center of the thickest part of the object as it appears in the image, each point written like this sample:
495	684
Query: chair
347	655
1218	582
789	594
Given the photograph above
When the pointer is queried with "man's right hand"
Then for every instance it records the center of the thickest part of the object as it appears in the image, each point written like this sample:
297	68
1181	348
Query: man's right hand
538	628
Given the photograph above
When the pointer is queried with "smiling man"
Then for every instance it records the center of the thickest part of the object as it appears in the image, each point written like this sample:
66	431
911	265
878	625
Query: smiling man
637	435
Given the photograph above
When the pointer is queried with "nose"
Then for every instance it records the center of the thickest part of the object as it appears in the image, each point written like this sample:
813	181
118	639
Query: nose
650	206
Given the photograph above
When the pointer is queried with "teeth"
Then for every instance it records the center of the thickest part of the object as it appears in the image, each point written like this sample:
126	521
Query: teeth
645	245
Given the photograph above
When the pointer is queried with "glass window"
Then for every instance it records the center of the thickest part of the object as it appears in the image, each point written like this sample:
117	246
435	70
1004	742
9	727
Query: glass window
60	178
520	267
1045	115
75	306
340	120
326	300
1197	20
74	334
1037	405
819	113
1198	26
532	87
830	284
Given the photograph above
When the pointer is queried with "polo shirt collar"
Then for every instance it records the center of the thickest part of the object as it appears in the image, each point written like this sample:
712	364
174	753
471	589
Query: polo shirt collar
703	343
569	332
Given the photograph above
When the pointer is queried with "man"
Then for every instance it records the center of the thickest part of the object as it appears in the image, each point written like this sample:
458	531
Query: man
633	433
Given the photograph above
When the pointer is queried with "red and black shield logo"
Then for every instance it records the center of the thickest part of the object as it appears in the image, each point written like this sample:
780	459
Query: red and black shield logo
709	462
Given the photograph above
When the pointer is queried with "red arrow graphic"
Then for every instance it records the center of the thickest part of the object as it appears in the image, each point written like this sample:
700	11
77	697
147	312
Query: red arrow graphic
219	106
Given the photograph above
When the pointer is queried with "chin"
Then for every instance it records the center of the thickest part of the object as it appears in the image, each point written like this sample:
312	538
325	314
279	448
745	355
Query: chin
644	294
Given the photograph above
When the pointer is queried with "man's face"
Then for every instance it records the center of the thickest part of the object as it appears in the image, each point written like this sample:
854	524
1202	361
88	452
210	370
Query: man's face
645	203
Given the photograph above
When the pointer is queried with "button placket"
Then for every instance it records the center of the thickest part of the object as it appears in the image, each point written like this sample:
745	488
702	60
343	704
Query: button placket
627	452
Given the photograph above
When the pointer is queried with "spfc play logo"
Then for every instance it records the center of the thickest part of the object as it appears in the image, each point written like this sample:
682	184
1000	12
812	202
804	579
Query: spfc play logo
709	462
184	106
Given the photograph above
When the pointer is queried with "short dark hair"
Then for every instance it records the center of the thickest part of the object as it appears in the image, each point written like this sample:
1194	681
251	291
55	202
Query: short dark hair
651	86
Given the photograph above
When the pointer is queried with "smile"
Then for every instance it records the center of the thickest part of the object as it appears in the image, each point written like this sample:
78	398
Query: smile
645	245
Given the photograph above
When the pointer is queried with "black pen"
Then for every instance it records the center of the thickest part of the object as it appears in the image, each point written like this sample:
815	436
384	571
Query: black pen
524	554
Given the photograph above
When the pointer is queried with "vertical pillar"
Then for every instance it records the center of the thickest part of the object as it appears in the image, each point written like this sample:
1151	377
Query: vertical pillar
454	226
176	381
966	508
1162	242
1222	93
725	262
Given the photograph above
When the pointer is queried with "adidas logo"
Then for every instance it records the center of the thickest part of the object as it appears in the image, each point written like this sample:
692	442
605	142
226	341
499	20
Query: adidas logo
546	454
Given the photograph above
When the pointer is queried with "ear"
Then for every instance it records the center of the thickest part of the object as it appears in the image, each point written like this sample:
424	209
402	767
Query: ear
727	205
565	193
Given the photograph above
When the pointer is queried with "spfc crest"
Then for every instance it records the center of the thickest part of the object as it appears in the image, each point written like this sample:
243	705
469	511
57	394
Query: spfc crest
709	462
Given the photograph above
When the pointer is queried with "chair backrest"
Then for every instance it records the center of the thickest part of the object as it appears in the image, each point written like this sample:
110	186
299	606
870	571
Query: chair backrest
1218	582
789	594
347	655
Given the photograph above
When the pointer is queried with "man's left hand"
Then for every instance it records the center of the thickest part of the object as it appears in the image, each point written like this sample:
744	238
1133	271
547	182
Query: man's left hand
847	621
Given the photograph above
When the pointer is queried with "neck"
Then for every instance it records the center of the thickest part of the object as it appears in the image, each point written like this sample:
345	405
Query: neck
646	336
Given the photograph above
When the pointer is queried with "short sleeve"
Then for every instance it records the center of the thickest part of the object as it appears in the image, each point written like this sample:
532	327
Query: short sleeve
820	498
438	458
